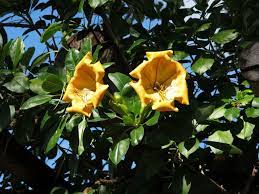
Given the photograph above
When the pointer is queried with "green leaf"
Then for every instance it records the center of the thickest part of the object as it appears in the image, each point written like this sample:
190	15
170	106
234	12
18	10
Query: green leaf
44	120
225	36
186	187
81	128
180	55
106	65
19	84
39	60
35	101
136	135
81	6
119	151
97	3
217	113
232	113
202	65
252	112
96	53
85	48
247	131
50	31
135	44
52	84
54	138
71	60
203	112
27	56
130	99
187	152
59	190
73	122
119	80
255	102
153	120
220	137
7	113
203	27
16	51
36	86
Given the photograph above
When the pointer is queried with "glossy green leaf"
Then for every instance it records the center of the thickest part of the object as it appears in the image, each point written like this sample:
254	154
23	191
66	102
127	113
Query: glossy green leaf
220	137
35	101
36	86
19	84
85	48
186	187
153	120
247	131
16	51
81	6
97	3
71	60
119	79
136	135
50	31
255	102
202	65
184	151
7	113
107	65
40	59
217	113
135	44
179	55
52	84
27	56
54	138
203	27
73	122
96	53
232	113
81	128
119	151
225	36
252	112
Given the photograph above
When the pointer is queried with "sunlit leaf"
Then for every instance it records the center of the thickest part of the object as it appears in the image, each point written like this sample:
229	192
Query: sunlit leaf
202	65
119	151
19	84
136	135
225	36
16	51
232	113
224	137
119	79
252	112
35	101
81	128
54	138
247	131
50	31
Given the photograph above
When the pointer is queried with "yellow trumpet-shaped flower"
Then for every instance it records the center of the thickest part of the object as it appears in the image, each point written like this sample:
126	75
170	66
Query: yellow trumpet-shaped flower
85	89
161	81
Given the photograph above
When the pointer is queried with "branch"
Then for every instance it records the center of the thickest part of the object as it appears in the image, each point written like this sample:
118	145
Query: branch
18	25
19	161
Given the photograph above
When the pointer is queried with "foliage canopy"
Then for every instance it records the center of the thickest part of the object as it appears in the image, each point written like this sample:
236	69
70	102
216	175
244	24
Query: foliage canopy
209	146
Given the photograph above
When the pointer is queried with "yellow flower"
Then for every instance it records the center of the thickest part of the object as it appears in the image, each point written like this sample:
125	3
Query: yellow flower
85	89
161	81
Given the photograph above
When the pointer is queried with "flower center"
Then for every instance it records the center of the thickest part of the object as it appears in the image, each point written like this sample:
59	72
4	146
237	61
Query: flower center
85	94
165	92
